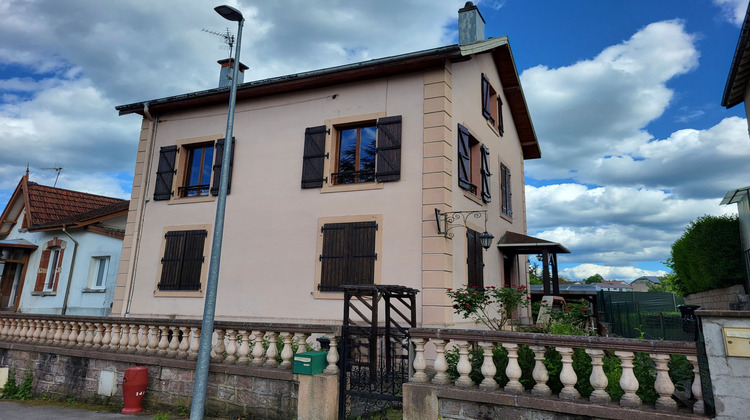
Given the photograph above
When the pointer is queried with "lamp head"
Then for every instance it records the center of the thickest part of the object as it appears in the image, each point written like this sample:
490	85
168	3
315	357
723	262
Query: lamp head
485	238
229	13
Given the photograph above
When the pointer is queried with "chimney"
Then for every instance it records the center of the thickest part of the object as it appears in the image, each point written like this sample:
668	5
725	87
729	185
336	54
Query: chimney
470	24
227	67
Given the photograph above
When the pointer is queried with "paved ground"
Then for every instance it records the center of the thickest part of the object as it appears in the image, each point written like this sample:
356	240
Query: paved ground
13	410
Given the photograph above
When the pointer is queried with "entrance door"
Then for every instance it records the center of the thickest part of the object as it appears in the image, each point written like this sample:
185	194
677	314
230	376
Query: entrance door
12	262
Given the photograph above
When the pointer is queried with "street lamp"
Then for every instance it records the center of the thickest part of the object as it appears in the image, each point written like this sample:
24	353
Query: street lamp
197	407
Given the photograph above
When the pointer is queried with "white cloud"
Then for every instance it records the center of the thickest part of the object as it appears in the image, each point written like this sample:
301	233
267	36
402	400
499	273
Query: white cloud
733	10
583	271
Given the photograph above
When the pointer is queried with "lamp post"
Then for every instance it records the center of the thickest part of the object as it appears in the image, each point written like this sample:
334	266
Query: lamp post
197	407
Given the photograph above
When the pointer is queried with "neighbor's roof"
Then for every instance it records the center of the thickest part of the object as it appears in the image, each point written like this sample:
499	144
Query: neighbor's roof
518	243
739	73
381	67
735	196
51	207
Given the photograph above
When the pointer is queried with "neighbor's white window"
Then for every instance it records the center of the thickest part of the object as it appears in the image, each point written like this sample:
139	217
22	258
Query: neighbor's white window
98	272
49	283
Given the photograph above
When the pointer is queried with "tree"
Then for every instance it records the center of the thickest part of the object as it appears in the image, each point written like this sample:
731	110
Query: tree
596	278
535	274
667	283
708	255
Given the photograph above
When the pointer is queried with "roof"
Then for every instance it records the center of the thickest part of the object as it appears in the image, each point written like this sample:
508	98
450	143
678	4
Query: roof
17	243
734	91
50	207
518	243
371	69
735	196
643	279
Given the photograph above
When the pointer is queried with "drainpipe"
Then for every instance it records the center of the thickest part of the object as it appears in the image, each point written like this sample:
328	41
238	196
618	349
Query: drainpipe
70	274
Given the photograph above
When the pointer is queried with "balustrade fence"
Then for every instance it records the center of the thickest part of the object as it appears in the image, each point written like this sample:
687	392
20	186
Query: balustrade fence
266	345
458	355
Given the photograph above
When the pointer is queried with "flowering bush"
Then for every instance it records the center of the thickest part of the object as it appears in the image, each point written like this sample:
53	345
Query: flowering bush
480	304
571	319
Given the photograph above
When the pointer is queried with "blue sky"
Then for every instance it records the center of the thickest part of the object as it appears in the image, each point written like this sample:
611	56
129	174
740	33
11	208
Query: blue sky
625	98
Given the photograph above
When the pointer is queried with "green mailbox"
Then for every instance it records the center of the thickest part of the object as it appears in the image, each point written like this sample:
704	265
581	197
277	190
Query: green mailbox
309	362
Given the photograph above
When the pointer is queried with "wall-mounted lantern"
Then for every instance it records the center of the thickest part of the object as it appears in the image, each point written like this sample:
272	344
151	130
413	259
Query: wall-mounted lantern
448	220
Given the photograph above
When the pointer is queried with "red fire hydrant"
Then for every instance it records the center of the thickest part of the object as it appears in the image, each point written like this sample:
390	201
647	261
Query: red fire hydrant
134	388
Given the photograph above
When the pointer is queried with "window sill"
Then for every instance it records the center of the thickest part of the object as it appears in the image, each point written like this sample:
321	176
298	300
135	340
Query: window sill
506	217
187	200
88	290
43	293
474	198
364	186
494	128
178	293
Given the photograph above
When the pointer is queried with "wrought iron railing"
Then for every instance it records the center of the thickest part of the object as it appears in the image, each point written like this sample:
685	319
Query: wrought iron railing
353	177
193	190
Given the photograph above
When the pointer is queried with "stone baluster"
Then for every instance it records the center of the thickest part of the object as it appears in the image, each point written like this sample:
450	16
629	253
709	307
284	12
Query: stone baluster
663	384
6	328
540	374
244	349
33	330
13	329
107	338
51	331
98	332
420	364
42	336
142	346
21	333
163	341
258	350
332	358
152	343
124	337
114	343
598	379
286	351
182	350
513	370
88	338
699	406
73	334
133	343
441	365
231	348
301	342
568	376
218	350
174	343
628	381
64	332
81	339
272	351
464	366
194	343
488	367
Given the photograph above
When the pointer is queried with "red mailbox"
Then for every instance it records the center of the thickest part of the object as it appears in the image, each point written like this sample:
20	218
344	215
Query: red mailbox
134	386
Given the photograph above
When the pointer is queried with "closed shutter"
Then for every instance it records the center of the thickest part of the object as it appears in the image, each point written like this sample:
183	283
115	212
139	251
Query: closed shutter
486	108
464	158
485	170
474	260
505	191
388	167
313	157
183	260
165	173
348	256
218	158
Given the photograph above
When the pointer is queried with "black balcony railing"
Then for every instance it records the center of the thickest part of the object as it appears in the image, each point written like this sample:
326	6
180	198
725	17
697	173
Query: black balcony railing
193	190
352	177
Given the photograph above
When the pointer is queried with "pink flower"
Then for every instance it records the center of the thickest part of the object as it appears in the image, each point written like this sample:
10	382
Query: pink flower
450	290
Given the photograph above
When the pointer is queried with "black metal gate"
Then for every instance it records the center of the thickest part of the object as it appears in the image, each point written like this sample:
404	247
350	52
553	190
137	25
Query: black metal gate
374	354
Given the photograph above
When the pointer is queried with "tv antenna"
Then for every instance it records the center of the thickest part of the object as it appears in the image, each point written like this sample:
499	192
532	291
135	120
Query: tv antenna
57	169
228	38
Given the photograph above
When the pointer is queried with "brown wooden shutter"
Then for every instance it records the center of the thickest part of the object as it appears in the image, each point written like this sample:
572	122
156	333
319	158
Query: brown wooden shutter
313	157
348	255
486	109
485	170
218	157
182	261
474	259
362	254
505	191
333	257
500	124
42	276
165	173
388	166
464	158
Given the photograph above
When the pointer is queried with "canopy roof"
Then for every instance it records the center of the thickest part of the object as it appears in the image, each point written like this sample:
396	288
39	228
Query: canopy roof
517	243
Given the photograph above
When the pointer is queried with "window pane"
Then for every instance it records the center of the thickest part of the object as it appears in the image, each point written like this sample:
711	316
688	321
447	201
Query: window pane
348	151
368	149
101	273
208	158
194	167
51	268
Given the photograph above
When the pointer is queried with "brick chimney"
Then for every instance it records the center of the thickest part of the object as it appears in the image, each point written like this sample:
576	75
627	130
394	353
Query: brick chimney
470	24
227	67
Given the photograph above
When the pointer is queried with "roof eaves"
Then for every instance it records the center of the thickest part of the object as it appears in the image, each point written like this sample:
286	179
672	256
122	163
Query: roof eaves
739	72
735	196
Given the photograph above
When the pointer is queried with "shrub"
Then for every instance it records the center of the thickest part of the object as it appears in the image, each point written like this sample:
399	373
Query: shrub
480	303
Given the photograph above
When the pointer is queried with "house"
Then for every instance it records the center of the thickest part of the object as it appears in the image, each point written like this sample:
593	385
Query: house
614	286
736	91
643	283
59	250
386	171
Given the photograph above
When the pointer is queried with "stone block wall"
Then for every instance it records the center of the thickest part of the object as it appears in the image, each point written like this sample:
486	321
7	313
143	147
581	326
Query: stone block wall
718	299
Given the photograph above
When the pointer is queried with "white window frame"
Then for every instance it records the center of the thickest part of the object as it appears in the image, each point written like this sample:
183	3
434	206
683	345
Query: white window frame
49	281
95	269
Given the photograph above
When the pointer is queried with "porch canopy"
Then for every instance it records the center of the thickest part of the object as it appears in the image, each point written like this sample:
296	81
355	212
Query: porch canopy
513	243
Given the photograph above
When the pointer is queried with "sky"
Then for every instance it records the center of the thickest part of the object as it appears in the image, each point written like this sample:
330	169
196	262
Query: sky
625	97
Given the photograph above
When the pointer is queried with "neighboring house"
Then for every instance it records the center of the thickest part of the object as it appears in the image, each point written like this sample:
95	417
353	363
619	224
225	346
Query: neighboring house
614	286
643	284
335	178
736	91
59	250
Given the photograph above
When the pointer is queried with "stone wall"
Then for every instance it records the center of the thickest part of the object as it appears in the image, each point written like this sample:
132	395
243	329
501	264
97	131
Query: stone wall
233	391
716	299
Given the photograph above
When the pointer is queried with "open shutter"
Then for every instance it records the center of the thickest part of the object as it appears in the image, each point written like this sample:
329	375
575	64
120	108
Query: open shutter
362	254
333	257
165	173
505	191
508	193
500	125
313	157
388	166
486	108
485	170
474	259
41	275
464	158
218	157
